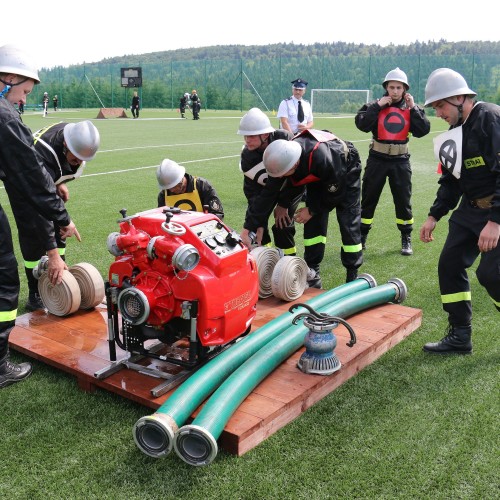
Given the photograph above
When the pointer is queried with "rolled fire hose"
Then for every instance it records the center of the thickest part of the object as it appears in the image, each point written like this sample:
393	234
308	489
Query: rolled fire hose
196	443
266	259
91	284
154	434
61	299
289	279
82	287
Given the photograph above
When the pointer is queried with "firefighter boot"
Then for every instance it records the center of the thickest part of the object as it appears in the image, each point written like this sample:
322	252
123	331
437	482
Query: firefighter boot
10	373
456	341
34	302
351	275
313	277
406	245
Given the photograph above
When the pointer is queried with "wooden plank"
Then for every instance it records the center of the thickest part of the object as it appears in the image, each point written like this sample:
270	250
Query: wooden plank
78	345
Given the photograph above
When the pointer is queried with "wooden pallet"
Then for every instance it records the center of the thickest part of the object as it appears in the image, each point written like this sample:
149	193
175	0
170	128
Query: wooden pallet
78	345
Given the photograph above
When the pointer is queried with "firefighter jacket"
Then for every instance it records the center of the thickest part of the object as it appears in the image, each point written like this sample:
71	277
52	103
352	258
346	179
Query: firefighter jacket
49	142
392	125
480	171
22	169
199	193
261	191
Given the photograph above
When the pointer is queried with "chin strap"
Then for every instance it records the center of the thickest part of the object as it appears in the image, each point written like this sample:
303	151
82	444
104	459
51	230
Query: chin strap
460	108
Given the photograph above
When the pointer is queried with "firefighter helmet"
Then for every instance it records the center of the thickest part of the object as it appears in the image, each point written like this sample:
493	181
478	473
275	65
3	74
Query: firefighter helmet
443	83
14	61
169	174
82	139
280	156
255	122
396	75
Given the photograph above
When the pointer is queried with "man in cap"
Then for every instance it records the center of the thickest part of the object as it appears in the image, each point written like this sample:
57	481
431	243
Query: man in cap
20	164
391	120
64	148
295	113
469	153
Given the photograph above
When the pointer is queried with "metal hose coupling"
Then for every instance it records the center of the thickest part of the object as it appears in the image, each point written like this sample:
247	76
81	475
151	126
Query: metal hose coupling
154	434
195	445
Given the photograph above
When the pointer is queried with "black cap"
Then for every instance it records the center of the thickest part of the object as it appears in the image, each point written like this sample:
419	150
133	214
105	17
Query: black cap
299	83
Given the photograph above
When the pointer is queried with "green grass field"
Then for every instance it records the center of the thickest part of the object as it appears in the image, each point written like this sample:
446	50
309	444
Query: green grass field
408	426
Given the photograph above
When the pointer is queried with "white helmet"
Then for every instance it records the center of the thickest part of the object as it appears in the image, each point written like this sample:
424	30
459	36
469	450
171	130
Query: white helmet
186	94
443	83
14	61
255	122
396	75
280	156
169	174
82	139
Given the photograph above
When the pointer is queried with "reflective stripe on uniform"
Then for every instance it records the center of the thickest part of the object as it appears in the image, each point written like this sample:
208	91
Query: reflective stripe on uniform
455	297
31	264
352	248
8	315
367	222
290	251
315	241
404	222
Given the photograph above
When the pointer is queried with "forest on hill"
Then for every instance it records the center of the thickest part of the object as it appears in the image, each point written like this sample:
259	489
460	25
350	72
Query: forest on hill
255	52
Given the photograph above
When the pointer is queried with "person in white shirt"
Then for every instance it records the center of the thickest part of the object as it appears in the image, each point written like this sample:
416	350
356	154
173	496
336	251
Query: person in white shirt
295	113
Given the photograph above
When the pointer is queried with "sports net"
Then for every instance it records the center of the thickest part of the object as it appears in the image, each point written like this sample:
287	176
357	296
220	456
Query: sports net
338	101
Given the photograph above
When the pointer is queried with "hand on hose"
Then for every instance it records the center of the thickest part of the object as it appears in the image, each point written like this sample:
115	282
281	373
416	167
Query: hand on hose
56	266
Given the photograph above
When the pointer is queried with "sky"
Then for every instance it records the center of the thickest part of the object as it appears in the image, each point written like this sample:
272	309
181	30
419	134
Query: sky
62	33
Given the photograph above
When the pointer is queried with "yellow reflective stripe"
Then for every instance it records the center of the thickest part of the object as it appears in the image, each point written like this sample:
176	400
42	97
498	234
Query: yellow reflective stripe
8	315
495	302
368	222
455	297
352	248
404	222
314	241
61	251
269	245
290	251
30	264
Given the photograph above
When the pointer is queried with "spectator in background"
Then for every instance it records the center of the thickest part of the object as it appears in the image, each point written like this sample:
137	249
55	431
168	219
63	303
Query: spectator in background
469	154
20	106
183	104
195	104
64	148
135	105
45	103
391	120
295	113
258	187
55	100
182	190
22	168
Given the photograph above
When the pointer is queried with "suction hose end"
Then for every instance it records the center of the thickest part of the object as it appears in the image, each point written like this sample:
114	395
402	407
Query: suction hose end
195	445
154	434
401	289
369	278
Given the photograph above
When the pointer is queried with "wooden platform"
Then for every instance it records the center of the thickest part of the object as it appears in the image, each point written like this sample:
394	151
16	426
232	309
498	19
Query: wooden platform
78	345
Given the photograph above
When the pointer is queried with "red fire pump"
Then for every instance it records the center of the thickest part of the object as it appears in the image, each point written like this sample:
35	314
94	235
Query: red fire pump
183	278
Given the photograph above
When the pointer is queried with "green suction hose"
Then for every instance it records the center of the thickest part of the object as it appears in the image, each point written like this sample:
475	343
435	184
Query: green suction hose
154	434
196	443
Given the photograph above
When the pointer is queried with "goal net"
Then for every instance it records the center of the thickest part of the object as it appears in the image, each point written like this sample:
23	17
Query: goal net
338	101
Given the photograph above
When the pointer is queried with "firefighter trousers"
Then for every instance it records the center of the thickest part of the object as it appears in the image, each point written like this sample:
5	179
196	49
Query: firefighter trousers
398	172
9	285
459	253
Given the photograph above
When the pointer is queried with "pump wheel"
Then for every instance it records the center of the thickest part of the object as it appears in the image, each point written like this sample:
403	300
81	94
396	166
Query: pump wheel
62	299
91	284
173	228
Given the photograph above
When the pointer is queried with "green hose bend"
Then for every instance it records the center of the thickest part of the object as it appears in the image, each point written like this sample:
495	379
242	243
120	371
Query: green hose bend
154	434
216	412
